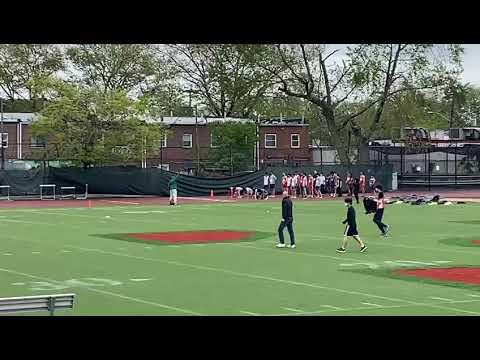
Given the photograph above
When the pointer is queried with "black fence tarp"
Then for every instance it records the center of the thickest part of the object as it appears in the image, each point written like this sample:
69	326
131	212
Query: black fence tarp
137	181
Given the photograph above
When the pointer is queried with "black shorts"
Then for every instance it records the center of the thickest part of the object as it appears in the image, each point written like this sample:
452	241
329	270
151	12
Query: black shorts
378	215
350	231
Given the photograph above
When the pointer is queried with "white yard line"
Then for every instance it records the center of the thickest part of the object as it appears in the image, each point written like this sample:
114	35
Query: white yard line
205	199
121	202
379	307
382	242
473	295
138	280
249	313
272	279
186	311
332	307
371	304
293	309
441	299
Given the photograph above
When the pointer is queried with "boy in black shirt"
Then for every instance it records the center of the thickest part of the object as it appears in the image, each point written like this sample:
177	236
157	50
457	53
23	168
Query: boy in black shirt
351	229
287	221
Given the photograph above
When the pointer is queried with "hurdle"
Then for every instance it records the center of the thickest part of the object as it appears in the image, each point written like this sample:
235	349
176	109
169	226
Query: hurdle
7	187
43	197
85	197
64	188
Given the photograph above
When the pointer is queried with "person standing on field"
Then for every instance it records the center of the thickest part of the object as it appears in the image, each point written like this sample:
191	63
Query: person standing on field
287	221
349	183
323	190
294	185
272	180
356	188
377	218
351	229
172	185
371	183
266	178
362	183
284	183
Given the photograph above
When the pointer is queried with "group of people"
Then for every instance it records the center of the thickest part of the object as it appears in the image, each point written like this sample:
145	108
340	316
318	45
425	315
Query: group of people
351	229
303	185
250	193
316	185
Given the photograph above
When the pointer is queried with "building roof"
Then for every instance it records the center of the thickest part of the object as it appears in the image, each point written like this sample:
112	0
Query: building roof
179	120
23	117
173	120
176	120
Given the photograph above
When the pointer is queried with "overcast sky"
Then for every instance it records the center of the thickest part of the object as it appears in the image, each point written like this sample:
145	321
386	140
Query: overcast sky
471	64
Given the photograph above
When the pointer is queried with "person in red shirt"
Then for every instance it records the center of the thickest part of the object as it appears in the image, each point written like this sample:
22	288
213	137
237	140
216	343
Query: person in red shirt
362	183
311	186
304	185
284	183
349	183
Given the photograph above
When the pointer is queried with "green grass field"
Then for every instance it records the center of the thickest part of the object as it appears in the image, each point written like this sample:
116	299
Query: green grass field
45	251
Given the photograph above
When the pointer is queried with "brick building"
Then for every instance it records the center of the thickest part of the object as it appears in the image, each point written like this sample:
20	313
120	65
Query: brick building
18	142
281	141
284	142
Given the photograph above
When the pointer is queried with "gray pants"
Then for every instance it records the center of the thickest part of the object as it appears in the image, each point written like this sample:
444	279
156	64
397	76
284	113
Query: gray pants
288	223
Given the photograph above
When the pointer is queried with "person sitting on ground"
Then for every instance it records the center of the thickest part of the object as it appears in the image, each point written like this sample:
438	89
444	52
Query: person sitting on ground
238	192
249	192
261	194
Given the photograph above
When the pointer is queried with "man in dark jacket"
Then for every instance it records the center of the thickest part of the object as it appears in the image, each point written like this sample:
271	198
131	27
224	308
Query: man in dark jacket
287	221
351	229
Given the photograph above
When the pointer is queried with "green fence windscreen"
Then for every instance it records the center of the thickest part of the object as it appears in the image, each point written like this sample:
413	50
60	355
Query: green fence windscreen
136	181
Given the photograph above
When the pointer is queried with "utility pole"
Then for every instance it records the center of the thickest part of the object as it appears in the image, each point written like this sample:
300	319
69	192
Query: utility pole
1	134
196	141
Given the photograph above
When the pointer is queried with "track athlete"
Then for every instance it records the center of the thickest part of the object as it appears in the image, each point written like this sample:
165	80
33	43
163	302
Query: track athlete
351	228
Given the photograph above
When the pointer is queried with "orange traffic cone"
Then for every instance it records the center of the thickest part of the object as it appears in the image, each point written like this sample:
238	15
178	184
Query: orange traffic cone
212	195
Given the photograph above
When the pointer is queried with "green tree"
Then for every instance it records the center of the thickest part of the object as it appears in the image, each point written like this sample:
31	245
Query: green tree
24	67
364	80
233	145
112	67
92	127
225	78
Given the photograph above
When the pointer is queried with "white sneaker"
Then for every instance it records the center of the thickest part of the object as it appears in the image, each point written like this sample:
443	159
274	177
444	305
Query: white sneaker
292	246
280	245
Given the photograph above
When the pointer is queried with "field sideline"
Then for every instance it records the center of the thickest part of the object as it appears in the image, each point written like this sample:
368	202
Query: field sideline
57	250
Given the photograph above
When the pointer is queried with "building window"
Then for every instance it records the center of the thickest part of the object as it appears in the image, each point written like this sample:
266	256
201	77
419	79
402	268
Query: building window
295	141
214	141
5	140
270	140
187	140
163	142
37	142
